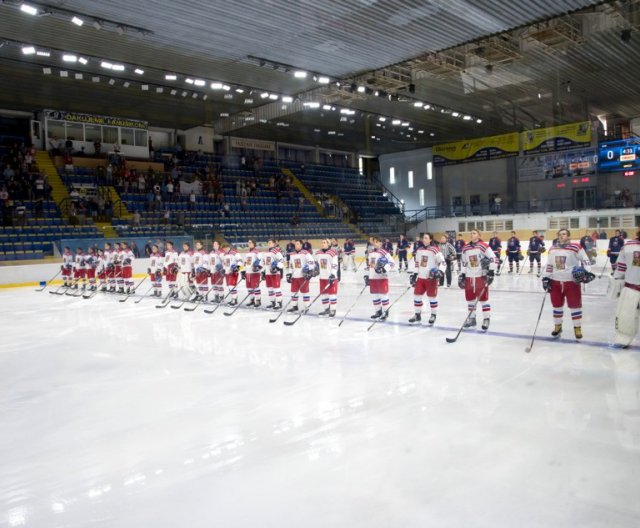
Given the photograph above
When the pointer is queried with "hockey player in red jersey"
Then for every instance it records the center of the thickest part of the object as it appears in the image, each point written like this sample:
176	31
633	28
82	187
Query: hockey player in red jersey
328	264
478	270
252	273
67	267
426	279
232	262
201	270
627	281
90	264
79	271
273	265
301	270
379	264
109	260
185	262
216	270
101	271
564	273
171	267
156	266
117	266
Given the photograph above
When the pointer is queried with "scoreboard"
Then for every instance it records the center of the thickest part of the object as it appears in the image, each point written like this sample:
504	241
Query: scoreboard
619	155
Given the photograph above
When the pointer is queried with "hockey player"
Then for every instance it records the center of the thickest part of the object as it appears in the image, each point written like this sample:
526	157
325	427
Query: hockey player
349	258
185	261
109	256
302	269
201	268
79	271
117	267
171	267
67	267
327	260
127	267
563	275
231	262
101	270
216	270
273	266
387	245
156	266
535	250
90	264
417	244
478	270
290	248
426	278
627	280
252	272
496	246
379	264
459	245
449	254
589	245
514	253
336	247
401	251
616	242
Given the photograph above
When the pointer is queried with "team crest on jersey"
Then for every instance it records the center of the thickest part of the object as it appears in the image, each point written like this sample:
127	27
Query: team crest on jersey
297	264
560	262
473	261
323	264
267	260
423	261
636	258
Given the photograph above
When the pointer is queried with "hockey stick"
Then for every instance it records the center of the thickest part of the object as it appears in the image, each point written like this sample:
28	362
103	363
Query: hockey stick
224	298
284	308
390	306
57	291
454	339
533	337
235	308
606	263
291	323
133	291
49	281
145	294
201	301
192	296
354	303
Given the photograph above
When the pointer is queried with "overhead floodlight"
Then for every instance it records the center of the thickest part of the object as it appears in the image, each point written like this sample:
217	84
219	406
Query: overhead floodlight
118	67
78	76
226	87
326	107
106	65
264	95
46	71
189	81
199	82
248	101
205	97
300	74
381	118
396	122
195	96
311	104
332	132
287	99
216	86
82	60
173	92
224	114
64	73
138	71
28	50
43	53
239	90
170	77
479	121
361	89
420	131
145	87
273	97
455	114
184	93
159	89
77	21
112	82
29	9
418	104
69	58
126	84
427	107
467	118
432	134
323	79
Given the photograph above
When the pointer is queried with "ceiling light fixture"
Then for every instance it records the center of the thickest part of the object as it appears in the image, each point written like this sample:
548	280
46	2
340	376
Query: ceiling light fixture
287	99
83	61
264	95
46	71
126	84
28	9
28	50
170	77
145	87
300	74
138	71
44	53
239	90
77	21
189	81
69	58
361	89
323	79
78	76
216	86
311	104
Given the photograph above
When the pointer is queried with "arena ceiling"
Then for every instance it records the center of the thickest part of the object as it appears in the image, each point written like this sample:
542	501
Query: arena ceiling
442	70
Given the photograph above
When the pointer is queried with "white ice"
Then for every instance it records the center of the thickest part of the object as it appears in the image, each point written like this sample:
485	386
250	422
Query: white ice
123	415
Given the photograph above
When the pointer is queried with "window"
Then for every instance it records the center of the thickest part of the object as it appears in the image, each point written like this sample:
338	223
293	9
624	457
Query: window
92	132
141	138
392	176
56	129
75	131
109	134
126	136
429	171
410	179
421	197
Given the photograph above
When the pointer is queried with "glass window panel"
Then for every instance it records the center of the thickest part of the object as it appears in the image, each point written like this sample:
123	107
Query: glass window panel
127	136
109	134
56	129
141	138
93	132
75	131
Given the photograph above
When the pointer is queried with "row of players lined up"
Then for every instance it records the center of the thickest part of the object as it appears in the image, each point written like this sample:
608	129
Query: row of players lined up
199	273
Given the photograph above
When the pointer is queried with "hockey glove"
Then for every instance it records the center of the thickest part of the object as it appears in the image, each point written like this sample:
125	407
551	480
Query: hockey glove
332	279
608	252
274	267
588	277
413	279
546	284
149	271
366	280
234	268
490	275
243	273
461	280
289	277
126	262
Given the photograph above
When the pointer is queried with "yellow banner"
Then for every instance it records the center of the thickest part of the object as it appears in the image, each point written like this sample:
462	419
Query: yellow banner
561	137
480	149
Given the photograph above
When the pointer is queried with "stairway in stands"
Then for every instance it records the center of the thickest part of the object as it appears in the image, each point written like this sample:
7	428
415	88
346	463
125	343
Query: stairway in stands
120	211
58	189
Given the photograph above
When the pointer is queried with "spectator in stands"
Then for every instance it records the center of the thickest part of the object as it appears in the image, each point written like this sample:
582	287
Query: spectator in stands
108	207
253	187
80	153
150	202
497	204
148	248
626	197
272	182
170	191
8	172
192	200
151	150
135	219
295	220
38	207
116	147
166	217
142	183
53	146
100	203
243	162
109	174
300	203
4	195
226	210
97	148
244	204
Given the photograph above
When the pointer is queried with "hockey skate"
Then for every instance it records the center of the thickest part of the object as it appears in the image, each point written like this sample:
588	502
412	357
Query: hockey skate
469	323
557	330
383	316
257	304
416	319
485	324
252	302
530	270
293	309
377	315
432	318
324	313
233	302
577	330
332	313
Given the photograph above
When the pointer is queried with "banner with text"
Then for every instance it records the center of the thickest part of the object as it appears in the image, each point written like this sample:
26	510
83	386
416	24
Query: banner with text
561	137
252	144
480	149
579	163
93	119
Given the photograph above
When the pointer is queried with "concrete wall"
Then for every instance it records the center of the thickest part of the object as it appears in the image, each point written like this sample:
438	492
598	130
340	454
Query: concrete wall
199	138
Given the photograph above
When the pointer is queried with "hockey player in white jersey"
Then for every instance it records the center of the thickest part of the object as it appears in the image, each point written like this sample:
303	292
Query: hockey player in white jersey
201	261
127	266
379	264
328	266
428	259
90	264
67	267
109	260
171	267
627	282
302	268
79	270
252	272
216	271
273	265
101	271
156	267
232	262
185	278
566	269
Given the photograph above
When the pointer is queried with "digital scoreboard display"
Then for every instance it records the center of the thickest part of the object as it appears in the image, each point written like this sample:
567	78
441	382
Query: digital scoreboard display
620	155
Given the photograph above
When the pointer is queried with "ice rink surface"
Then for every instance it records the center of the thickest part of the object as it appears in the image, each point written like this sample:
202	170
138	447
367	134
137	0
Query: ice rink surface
122	415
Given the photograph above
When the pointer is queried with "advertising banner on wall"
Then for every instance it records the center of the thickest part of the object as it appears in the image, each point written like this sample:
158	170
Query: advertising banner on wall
548	166
552	139
253	144
94	119
480	149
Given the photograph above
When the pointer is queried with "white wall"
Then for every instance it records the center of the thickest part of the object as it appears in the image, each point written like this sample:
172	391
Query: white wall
199	138
403	162
161	138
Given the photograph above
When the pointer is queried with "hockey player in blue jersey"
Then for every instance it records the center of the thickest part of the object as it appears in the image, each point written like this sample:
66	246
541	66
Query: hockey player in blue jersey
615	246
496	246
536	249
401	251
513	252
458	245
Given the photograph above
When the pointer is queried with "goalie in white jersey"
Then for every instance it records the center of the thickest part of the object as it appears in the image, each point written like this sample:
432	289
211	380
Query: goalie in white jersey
428	259
627	284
